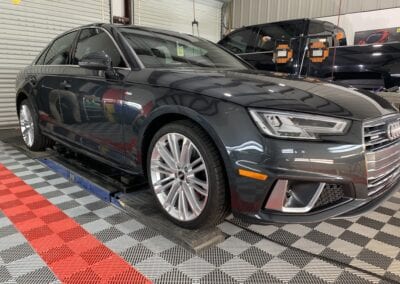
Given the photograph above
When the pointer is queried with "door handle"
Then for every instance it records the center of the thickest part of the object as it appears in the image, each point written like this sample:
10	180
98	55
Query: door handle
65	85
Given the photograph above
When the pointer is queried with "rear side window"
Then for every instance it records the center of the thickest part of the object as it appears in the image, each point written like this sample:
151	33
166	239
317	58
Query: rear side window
327	30
240	41
60	51
272	34
94	40
320	28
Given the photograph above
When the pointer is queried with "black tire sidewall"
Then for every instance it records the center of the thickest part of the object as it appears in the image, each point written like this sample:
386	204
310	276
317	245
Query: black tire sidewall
209	212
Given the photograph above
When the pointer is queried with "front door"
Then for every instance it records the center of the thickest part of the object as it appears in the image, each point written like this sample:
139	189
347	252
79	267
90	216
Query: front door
91	101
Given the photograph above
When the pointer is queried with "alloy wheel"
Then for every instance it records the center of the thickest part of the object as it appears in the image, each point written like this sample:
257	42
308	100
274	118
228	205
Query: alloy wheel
27	125
179	176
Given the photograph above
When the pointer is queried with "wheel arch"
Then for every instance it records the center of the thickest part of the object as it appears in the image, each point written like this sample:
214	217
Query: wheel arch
167	115
24	93
21	96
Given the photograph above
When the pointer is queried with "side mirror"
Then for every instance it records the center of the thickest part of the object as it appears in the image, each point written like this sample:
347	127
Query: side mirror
96	61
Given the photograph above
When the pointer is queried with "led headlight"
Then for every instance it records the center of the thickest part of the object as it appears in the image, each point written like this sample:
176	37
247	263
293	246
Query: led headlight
298	125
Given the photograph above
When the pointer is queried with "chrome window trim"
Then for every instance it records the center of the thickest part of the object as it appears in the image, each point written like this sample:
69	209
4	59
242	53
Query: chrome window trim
77	66
137	58
50	45
90	27
118	48
255	52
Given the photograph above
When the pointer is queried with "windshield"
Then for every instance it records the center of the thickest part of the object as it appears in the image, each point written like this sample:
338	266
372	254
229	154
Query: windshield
157	49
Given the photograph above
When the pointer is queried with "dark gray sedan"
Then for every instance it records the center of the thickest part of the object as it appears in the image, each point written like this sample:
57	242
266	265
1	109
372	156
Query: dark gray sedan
210	133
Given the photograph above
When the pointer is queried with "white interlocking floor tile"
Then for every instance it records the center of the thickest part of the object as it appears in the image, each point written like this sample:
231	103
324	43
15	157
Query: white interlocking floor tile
281	269
196	267
234	245
158	244
345	247
383	248
297	229
239	269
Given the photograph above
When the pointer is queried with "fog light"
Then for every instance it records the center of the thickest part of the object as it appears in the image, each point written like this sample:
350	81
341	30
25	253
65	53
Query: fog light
296	197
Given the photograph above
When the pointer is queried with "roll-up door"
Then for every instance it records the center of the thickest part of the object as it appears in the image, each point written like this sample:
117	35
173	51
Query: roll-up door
26	27
177	15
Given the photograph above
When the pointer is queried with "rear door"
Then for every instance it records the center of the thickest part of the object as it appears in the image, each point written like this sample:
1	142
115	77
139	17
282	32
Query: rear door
92	101
50	67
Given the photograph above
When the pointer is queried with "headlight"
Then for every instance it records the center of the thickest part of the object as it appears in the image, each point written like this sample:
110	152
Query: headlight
298	125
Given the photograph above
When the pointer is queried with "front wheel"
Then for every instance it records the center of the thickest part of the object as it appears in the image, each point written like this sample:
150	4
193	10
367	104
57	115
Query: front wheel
186	175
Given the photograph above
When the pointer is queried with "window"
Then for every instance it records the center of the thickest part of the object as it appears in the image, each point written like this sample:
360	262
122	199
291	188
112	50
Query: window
240	41
94	40
158	49
321	28
40	59
270	35
60	51
327	30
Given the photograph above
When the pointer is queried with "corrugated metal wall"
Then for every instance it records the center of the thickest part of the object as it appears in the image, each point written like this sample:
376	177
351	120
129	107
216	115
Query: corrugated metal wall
249	12
25	29
177	15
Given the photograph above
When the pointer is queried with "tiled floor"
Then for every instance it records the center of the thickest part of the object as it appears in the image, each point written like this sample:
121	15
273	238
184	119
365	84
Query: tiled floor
364	250
370	242
18	261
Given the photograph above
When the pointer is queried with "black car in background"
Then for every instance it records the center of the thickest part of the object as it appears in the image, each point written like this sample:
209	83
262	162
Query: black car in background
210	133
371	67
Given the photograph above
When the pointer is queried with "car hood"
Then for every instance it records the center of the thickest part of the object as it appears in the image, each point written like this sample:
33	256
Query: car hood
255	89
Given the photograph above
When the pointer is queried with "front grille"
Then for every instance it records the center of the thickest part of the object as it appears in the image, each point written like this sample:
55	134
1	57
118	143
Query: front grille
375	133
382	155
332	194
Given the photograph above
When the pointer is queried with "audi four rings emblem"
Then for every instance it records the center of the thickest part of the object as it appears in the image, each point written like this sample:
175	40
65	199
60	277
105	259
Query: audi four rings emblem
393	130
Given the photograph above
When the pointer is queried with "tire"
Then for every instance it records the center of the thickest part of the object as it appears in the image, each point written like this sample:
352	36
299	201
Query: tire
188	179
29	126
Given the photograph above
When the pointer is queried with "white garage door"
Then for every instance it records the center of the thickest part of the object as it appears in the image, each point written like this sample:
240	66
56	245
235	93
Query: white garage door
26	28
177	15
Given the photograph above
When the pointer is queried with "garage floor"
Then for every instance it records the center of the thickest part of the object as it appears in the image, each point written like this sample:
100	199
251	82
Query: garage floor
53	231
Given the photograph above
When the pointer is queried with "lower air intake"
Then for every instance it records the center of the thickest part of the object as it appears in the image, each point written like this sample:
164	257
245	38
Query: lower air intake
332	193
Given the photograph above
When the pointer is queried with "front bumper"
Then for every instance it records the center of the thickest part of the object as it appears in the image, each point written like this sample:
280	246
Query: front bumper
348	209
344	164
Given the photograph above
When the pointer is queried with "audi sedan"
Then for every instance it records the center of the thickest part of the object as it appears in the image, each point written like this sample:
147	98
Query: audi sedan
211	134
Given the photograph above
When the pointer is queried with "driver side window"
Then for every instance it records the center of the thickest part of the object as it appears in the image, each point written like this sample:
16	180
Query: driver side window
59	52
94	40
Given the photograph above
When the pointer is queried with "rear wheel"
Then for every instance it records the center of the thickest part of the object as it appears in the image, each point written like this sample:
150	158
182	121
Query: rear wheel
29	126
186	175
